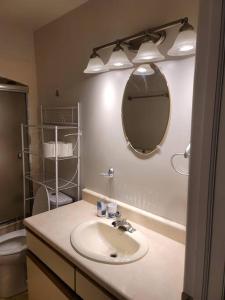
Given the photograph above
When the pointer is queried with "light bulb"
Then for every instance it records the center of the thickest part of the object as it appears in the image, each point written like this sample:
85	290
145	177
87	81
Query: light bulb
185	43
118	59
186	48
147	52
144	69
118	64
95	65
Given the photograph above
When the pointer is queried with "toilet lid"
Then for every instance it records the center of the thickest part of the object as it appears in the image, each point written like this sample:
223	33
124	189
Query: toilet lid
63	199
41	201
13	242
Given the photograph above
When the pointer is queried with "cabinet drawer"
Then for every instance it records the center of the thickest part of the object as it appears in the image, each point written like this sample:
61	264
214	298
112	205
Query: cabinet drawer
87	290
53	260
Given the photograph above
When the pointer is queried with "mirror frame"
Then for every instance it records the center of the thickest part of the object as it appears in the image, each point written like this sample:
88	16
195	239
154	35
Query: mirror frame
158	147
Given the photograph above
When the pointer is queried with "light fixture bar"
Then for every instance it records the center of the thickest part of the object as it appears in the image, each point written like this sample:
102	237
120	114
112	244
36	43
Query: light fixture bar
143	33
169	25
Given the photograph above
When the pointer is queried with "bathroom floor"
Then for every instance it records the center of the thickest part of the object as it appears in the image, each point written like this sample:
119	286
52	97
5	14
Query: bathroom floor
23	296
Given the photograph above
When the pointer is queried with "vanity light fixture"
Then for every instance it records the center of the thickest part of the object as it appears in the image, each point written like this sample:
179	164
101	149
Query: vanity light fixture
185	43
95	64
146	43
147	52
144	69
118	59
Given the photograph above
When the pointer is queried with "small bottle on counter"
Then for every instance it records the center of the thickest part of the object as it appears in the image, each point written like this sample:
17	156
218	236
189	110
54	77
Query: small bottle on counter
101	208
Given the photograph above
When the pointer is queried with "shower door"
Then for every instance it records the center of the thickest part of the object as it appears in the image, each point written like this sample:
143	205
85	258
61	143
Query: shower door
13	112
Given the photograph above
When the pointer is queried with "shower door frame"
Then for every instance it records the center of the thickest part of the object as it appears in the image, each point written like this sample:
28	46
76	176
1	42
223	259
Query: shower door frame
15	88
23	90
204	277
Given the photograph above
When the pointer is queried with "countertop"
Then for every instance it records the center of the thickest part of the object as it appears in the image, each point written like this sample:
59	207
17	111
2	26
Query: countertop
157	276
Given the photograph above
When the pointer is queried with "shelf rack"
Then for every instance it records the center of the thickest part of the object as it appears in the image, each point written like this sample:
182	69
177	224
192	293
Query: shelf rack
50	184
61	122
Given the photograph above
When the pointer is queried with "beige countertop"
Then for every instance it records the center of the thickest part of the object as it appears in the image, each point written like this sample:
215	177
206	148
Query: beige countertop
157	276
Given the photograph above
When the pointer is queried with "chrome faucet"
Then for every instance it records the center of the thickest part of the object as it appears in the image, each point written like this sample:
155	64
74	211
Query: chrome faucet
122	224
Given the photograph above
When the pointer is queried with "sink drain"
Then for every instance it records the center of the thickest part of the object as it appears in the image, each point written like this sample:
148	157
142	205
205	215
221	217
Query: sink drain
113	255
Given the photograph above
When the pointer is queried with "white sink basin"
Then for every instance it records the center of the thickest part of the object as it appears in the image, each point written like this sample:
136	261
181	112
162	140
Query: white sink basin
100	241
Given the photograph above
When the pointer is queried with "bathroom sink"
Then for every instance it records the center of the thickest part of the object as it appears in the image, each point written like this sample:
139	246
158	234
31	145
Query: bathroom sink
100	241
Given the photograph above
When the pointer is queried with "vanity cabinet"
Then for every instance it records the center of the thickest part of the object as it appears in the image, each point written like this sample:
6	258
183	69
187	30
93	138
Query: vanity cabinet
51	276
88	290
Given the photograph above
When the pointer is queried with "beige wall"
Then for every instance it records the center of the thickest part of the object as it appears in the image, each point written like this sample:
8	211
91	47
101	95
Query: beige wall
17	61
62	51
150	184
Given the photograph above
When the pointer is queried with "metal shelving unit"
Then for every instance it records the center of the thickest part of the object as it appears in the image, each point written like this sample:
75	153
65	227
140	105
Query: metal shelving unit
57	124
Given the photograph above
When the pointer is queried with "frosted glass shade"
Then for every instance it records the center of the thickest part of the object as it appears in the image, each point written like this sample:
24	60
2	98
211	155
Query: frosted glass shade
185	44
147	52
144	69
119	60
95	65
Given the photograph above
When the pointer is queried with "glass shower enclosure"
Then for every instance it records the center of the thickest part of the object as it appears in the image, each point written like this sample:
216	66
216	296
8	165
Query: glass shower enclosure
13	112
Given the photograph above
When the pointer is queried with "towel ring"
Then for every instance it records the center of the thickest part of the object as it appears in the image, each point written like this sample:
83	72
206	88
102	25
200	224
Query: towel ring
173	166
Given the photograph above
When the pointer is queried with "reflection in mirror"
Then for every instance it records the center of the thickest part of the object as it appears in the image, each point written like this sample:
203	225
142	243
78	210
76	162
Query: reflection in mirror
145	109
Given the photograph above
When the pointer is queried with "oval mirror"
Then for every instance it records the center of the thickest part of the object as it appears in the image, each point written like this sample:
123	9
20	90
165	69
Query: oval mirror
145	109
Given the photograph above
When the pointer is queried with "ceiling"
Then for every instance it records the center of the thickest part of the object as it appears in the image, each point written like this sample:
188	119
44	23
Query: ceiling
35	13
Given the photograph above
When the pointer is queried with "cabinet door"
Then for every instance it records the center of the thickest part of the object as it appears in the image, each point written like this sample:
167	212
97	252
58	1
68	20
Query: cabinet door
88	290
50	258
43	284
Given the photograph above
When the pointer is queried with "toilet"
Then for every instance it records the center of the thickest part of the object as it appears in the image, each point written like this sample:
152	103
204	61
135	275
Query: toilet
13	246
12	263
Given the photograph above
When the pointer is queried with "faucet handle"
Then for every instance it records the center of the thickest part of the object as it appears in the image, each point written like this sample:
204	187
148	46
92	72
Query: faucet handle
118	215
109	173
118	219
